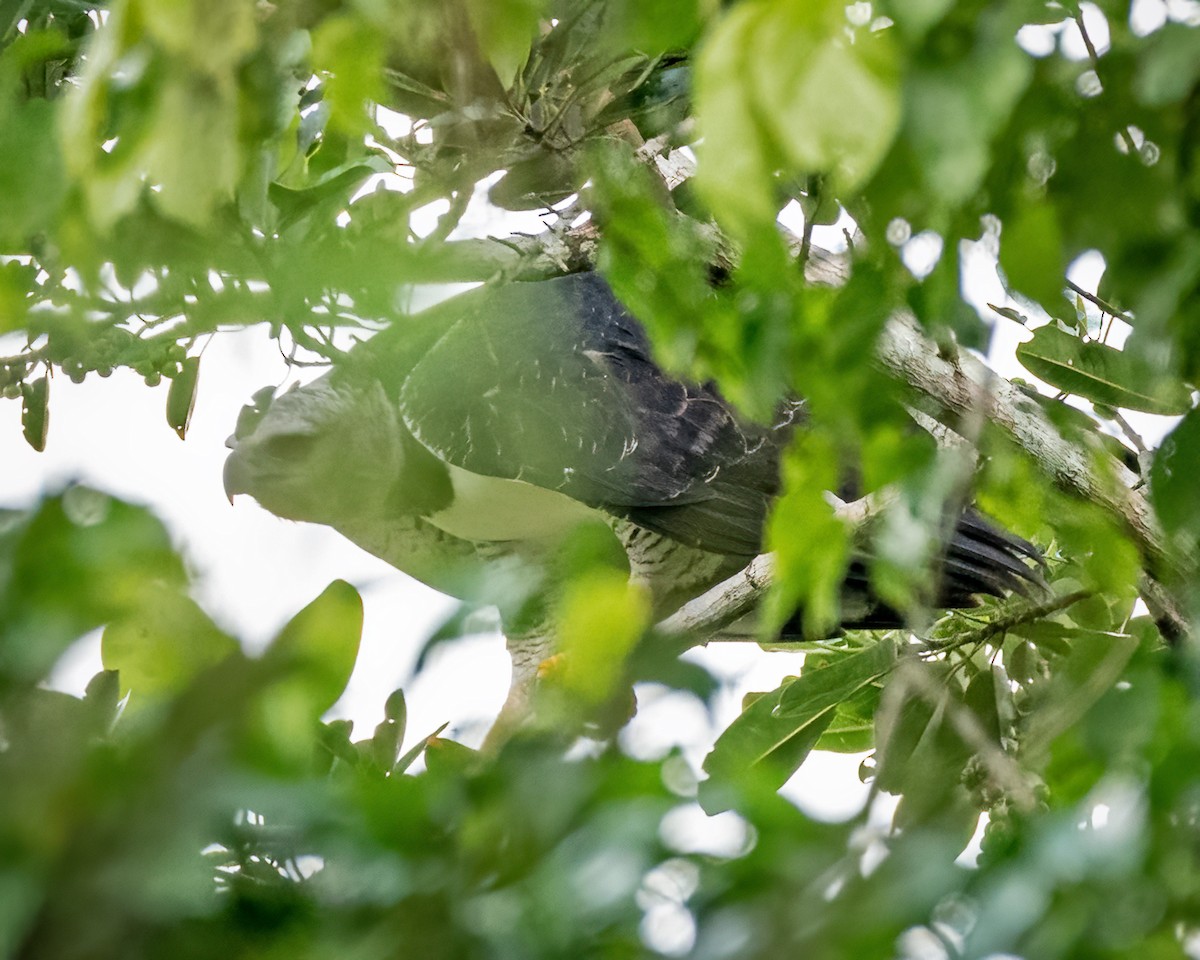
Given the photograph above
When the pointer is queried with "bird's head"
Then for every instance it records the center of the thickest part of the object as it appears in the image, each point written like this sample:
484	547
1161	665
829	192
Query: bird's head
327	452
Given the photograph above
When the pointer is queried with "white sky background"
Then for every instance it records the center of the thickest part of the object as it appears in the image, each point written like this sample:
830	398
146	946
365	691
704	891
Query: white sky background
255	570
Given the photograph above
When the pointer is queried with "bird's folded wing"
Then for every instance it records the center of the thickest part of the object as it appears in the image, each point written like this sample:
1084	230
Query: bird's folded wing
553	383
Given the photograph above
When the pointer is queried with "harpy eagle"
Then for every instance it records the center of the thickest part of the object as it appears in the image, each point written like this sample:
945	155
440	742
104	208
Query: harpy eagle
483	430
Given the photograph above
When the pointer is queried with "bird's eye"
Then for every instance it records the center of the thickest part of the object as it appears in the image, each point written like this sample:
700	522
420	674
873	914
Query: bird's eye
288	446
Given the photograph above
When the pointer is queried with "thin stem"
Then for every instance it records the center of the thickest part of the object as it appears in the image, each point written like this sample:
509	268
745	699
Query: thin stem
1003	624
1130	434
1087	41
1102	304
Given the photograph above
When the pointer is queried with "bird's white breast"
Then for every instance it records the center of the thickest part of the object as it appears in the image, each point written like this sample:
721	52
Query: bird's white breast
491	508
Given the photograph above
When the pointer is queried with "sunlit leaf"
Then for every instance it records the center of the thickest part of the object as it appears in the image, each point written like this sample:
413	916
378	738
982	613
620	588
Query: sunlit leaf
72	564
350	51
809	542
782	84
162	646
31	172
601	617
319	646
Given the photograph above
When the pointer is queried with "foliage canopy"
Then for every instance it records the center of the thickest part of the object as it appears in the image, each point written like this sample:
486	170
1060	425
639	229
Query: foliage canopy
173	170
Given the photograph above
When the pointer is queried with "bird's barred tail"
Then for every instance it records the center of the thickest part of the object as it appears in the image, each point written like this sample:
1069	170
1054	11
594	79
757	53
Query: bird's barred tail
981	560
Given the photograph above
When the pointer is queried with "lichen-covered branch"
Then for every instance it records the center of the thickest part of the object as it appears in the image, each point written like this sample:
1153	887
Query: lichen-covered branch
964	386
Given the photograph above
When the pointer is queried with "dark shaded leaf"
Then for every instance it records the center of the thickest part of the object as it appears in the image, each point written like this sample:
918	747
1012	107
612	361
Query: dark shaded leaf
776	732
1031	253
1174	478
35	411
1100	373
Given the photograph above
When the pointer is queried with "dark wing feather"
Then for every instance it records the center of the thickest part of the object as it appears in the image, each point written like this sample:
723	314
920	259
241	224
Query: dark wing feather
980	560
553	383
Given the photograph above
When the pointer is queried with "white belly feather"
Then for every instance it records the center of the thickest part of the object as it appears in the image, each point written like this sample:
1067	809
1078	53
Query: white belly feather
490	508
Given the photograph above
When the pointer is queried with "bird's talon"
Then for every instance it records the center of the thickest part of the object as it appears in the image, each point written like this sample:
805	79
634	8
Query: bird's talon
551	667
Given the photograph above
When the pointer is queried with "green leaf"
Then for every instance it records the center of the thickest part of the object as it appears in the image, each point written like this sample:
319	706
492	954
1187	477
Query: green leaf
181	397
1049	636
102	697
449	758
350	51
35	411
651	26
10	12
160	87
782	85
506	30
1102	374
410	757
735	165
1173	478
828	687
311	661
325	195
809	542
396	710
953	111
778	730
160	647
540	180
916	17
385	744
601	617
833	102
983	697
1022	662
216	33
75	562
852	729
318	648
1095	662
1031	253
334	737
32	181
758	741
1169	67
899	729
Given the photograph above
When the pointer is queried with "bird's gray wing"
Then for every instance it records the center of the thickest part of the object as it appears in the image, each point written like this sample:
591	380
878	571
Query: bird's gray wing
553	383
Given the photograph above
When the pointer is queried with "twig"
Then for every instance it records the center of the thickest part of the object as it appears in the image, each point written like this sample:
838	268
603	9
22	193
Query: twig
1130	434
1087	41
1102	304
1025	613
740	594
